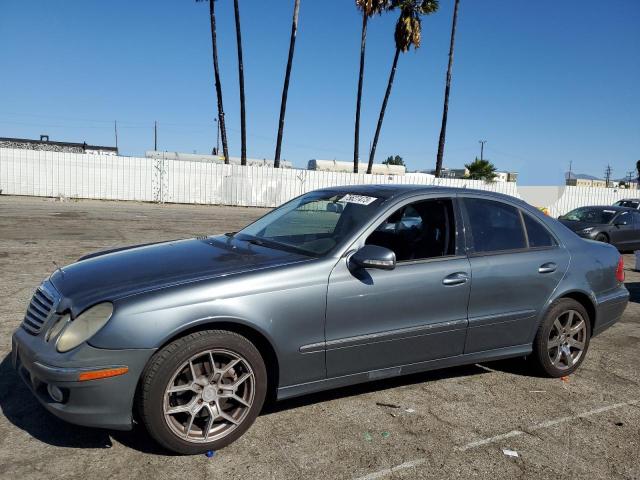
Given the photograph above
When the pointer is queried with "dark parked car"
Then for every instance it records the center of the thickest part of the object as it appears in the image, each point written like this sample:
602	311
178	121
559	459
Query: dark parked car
629	202
336	287
619	226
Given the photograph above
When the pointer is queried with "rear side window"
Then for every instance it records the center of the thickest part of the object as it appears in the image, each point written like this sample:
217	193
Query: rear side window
537	233
495	226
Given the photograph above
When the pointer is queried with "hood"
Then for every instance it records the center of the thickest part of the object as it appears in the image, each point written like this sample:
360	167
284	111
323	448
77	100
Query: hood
577	226
117	273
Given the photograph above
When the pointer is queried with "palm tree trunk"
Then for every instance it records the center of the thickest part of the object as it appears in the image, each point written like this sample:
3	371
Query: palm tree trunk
216	71
285	88
243	121
382	110
445	110
356	142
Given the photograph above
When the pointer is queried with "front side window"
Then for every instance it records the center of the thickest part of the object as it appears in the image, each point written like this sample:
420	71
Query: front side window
418	231
495	226
537	233
313	224
636	219
623	219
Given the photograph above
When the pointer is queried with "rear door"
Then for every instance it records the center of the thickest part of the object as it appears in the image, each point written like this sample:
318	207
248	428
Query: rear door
516	263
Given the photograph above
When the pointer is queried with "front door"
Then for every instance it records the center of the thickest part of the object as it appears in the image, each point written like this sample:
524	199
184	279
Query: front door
378	319
516	264
624	233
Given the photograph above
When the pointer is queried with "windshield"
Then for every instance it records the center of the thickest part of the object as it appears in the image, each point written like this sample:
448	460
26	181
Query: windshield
313	224
590	215
628	203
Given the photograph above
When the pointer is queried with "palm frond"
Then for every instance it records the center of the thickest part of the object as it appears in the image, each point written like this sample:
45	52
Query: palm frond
373	7
408	31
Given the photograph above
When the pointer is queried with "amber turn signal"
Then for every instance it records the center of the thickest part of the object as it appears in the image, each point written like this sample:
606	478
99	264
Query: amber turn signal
105	373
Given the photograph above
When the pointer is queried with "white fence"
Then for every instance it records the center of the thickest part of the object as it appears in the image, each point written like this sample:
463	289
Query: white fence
574	197
54	174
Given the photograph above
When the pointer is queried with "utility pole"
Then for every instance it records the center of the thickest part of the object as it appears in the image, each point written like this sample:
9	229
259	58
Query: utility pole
630	178
482	142
115	129
570	171
155	135
607	175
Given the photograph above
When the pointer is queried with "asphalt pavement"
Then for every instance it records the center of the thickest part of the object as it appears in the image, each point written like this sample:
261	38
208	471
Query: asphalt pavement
454	423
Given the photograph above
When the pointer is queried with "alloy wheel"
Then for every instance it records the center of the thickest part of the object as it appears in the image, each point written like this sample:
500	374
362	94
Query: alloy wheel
567	339
209	395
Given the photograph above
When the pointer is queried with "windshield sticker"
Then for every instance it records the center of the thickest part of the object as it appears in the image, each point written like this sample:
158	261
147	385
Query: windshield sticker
359	199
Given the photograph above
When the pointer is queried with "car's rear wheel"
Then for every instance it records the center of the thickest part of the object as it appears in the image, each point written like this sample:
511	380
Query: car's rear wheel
602	237
203	391
562	339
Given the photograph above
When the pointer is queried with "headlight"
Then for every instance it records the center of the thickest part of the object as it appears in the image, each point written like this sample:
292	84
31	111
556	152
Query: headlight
587	230
55	330
84	326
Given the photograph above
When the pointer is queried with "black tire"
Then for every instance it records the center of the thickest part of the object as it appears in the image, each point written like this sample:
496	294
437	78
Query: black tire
602	237
161	369
541	352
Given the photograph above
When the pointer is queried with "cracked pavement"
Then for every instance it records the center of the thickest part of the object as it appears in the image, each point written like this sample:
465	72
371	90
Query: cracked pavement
586	427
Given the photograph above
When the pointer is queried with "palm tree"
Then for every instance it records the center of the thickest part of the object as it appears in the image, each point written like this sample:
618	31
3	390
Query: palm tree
638	169
408	33
447	89
243	122
481	170
369	8
216	72
285	88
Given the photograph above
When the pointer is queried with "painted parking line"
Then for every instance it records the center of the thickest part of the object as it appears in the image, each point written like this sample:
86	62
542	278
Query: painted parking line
547	424
503	436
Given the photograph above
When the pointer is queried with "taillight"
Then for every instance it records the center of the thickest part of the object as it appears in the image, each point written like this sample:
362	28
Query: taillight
620	270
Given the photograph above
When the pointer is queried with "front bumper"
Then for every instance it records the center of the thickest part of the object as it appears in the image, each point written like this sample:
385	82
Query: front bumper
104	403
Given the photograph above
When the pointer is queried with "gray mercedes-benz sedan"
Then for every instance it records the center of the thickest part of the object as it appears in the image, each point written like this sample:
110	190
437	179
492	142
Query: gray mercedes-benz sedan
336	287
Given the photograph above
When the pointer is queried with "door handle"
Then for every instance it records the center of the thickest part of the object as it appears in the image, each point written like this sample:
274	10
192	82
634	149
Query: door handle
457	278
547	268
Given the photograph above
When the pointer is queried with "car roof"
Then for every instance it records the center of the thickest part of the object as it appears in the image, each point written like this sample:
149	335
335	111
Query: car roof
617	208
628	200
401	190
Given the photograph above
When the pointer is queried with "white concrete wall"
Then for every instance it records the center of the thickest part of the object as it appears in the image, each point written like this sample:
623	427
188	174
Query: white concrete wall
543	196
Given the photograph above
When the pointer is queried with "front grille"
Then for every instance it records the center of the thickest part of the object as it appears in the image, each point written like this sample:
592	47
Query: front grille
39	310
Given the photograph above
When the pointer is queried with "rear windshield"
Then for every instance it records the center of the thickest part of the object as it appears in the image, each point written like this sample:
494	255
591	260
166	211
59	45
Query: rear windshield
628	203
590	215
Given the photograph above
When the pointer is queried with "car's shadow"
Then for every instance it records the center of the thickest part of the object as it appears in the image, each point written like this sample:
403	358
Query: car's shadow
634	291
22	409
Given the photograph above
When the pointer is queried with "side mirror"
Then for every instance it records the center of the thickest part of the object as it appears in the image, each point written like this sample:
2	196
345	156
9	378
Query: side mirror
373	256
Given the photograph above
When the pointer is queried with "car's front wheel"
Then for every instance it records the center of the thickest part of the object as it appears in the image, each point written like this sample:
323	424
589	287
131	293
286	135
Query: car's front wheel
562	339
202	391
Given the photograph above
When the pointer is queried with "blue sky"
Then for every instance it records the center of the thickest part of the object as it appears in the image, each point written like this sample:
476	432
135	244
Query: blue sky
543	82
